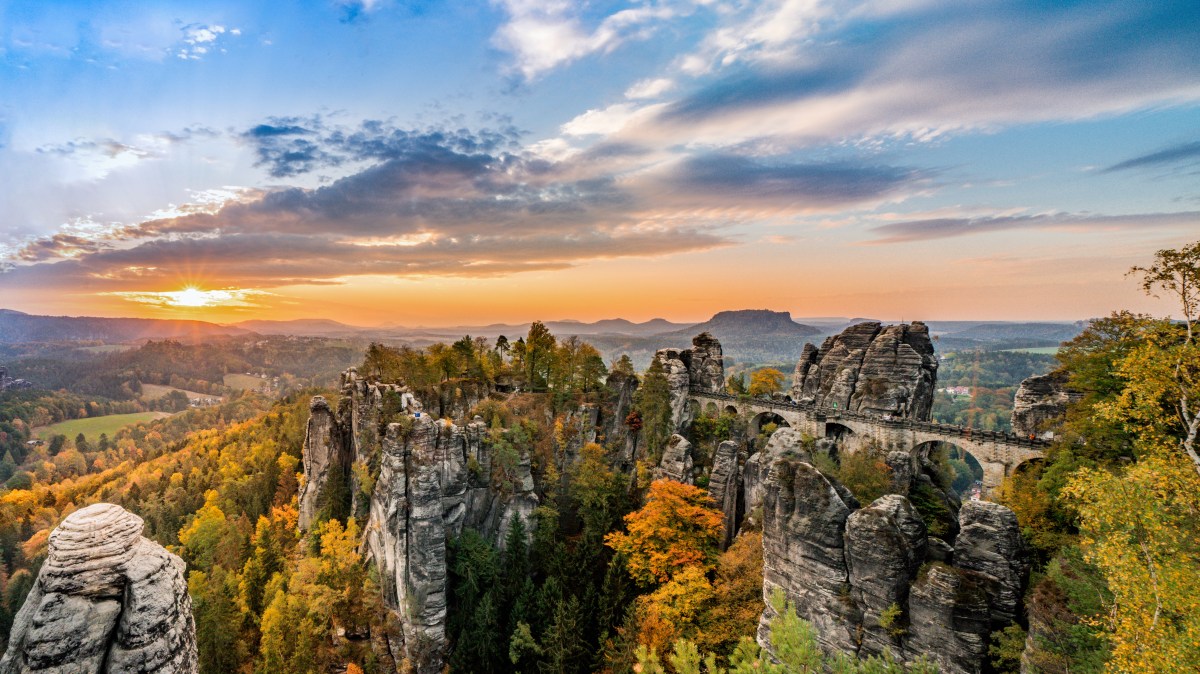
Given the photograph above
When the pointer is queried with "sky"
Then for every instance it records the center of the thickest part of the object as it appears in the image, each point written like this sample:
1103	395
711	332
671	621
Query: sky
447	163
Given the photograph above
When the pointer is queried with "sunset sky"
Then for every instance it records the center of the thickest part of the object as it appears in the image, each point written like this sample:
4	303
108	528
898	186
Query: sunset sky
436	163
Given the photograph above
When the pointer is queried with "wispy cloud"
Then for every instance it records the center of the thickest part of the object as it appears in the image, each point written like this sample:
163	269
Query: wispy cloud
1184	153
942	228
546	34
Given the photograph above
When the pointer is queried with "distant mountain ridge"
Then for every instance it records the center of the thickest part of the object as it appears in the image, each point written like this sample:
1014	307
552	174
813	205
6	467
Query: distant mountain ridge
16	326
751	323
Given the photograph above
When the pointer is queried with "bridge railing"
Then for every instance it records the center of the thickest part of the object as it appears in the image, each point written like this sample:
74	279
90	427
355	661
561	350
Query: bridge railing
913	424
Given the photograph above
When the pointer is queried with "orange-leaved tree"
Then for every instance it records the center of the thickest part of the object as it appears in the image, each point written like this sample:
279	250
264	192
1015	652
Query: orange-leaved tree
677	527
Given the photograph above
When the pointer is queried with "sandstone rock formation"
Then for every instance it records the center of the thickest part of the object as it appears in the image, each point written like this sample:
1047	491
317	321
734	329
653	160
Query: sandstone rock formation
1040	401
870	368
784	441
990	542
678	381
433	479
324	451
844	567
705	363
724	486
406	537
106	600
702	367
677	461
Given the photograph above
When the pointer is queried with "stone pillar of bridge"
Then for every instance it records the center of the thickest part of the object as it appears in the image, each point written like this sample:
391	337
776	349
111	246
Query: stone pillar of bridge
993	474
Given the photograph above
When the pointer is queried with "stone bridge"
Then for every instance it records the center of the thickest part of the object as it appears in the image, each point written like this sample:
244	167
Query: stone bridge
998	453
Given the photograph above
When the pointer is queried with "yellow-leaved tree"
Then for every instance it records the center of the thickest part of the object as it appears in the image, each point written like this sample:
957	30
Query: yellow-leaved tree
1140	525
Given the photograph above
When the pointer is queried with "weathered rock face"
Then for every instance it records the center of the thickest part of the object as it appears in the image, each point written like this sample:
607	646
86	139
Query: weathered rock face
706	363
724	486
844	568
804	518
325	450
434	478
406	536
870	368
106	600
677	461
622	387
702	366
990	542
885	546
783	441
1040	401
678	381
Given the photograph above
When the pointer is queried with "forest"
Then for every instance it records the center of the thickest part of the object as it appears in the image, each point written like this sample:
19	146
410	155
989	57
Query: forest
616	571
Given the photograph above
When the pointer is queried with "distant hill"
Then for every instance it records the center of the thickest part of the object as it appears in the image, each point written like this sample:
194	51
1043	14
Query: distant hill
16	327
306	327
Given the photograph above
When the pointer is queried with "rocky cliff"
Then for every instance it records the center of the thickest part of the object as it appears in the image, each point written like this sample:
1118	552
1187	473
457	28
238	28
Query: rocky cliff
701	367
432	478
1039	402
106	600
871	580
870	368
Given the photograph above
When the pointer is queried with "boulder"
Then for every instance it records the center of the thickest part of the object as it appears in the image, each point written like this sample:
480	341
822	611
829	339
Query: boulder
106	600
677	461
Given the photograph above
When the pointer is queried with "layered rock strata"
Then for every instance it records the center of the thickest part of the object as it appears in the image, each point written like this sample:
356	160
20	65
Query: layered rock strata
725	486
1039	402
433	478
870	368
701	367
106	600
871	580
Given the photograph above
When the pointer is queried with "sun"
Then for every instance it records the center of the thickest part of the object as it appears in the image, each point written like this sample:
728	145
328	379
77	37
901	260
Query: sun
192	296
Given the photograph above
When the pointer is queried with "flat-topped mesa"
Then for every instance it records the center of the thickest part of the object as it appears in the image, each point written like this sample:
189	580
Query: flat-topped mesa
106	600
870	368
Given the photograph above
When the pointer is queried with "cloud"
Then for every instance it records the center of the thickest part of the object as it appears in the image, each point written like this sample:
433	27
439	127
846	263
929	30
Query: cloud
545	34
650	88
802	186
813	75
1183	153
942	228
200	38
447	202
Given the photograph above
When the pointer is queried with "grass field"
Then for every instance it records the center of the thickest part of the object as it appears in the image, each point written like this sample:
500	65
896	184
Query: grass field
1044	350
106	348
156	391
92	427
243	381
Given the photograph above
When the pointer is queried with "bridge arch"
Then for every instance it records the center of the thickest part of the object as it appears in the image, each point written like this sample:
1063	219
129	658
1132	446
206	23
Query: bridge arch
731	410
967	471
837	431
766	417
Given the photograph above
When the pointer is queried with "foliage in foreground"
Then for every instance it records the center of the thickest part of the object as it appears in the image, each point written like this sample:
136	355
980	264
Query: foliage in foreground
794	650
